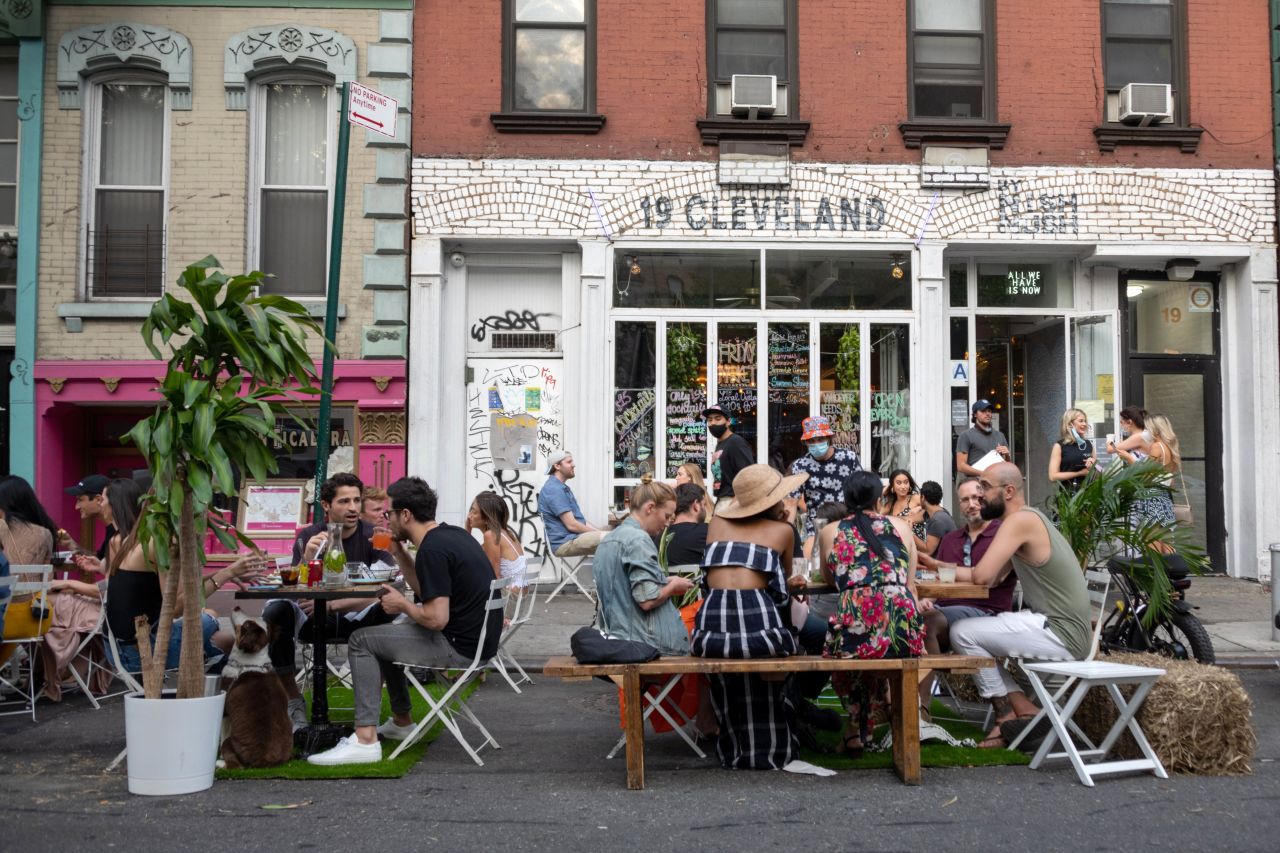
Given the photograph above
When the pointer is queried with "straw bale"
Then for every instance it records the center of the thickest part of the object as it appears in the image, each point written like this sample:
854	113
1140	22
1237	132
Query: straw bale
1196	717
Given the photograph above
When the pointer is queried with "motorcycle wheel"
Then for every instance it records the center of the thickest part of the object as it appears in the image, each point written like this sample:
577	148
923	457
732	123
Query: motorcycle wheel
1182	637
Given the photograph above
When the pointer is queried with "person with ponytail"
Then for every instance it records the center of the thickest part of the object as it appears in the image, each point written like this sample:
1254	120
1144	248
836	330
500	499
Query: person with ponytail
871	559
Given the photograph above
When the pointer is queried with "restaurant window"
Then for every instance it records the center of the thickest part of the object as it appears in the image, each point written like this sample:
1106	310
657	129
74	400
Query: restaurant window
1171	317
635	360
290	204
890	416
840	371
952	60
671	279
1026	284
1143	42
128	121
549	67
829	280
753	37
8	187
686	395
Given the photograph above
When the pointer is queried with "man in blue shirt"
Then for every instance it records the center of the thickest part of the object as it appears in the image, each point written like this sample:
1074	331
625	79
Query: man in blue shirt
568	533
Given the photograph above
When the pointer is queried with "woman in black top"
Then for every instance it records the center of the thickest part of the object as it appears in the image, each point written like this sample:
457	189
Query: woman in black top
1072	456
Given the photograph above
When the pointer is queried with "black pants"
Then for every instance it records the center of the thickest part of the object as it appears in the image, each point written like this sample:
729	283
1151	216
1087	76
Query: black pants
280	617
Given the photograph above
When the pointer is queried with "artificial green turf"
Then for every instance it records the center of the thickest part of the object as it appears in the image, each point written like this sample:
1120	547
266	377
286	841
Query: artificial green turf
932	753
340	702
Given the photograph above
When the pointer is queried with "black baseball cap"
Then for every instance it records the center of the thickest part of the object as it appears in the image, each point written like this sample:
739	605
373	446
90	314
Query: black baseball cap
981	406
715	409
94	484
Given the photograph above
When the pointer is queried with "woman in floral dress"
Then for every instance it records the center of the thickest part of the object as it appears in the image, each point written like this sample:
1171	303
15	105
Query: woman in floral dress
871	559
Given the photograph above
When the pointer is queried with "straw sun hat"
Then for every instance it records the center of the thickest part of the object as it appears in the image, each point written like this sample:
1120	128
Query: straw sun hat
755	489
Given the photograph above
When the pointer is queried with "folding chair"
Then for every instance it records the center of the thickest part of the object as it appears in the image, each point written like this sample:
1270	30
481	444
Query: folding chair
521	612
38	588
1082	675
653	703
96	640
452	705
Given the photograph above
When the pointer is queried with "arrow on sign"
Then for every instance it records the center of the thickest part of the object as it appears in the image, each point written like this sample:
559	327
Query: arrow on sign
366	118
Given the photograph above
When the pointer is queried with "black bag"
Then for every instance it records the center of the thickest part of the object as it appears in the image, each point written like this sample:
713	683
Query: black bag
589	645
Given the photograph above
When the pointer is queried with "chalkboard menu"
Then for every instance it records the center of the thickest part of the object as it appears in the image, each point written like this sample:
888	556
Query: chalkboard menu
788	358
686	431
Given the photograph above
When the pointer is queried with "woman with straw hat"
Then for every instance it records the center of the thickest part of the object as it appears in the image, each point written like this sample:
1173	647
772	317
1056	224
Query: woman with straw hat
745	569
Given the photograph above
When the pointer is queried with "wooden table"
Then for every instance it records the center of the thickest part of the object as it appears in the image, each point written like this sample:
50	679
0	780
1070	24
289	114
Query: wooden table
319	619
924	589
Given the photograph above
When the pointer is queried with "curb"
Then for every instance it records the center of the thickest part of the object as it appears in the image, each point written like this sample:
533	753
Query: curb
1248	662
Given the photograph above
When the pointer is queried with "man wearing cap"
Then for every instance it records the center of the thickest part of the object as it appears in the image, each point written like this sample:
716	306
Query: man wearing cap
733	452
828	467
89	503
979	440
568	533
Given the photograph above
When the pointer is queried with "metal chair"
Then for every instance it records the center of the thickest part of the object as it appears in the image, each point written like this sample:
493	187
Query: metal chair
91	651
38	589
452	705
1077	677
521	612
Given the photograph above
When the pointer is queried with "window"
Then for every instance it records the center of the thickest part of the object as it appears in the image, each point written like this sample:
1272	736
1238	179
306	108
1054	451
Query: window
752	37
8	187
292	124
128	168
1144	41
548	67
952	60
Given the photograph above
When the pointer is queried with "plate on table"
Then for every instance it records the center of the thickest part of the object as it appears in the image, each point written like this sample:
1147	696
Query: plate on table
366	581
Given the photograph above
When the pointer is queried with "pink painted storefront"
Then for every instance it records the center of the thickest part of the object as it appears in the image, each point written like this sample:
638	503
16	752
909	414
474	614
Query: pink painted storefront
83	407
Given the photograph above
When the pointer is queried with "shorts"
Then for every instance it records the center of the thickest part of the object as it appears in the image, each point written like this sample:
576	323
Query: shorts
131	661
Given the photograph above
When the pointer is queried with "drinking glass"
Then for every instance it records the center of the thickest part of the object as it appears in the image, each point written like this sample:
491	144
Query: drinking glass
947	572
381	539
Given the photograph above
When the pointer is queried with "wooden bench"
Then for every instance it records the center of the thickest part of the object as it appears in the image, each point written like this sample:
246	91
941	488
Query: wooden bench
904	676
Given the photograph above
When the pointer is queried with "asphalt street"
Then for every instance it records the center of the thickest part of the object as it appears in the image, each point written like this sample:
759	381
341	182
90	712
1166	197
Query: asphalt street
550	788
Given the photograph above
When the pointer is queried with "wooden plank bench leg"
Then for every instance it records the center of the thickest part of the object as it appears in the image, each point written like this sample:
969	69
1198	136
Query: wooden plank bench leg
905	699
635	729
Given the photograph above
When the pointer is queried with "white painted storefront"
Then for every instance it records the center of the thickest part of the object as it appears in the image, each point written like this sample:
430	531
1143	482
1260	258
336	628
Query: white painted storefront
529	277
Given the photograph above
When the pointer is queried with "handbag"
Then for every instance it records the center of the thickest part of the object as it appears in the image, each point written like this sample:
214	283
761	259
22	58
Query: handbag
590	645
1182	512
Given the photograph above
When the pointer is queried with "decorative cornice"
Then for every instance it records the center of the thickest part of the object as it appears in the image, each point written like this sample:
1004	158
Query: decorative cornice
990	134
22	18
547	122
56	383
111	383
1111	135
382	428
760	130
281	46
381	383
103	46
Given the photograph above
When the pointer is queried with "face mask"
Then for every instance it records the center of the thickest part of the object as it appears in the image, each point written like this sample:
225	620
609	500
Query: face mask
817	451
718	430
1080	442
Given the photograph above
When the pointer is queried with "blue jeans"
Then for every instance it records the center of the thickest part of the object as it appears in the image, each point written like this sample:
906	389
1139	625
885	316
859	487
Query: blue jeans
132	662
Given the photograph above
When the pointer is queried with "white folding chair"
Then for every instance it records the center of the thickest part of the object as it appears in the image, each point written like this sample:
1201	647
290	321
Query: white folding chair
522	602
452	704
567	568
653	702
1077	678
91	645
24	581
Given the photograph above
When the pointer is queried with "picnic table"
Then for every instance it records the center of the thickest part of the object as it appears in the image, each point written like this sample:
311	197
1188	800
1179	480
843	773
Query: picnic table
321	734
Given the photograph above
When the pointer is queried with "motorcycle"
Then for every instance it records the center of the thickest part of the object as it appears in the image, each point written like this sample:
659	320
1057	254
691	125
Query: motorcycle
1178	634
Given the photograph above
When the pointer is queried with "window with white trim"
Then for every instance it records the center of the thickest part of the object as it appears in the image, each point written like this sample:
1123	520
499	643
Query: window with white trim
127	178
292	123
8	187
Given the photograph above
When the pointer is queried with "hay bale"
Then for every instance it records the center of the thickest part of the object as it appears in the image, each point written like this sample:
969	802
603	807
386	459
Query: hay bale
962	687
1196	717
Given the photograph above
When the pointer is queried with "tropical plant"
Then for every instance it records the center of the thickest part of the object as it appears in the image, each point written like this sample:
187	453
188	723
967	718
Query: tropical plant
685	353
1099	521
233	357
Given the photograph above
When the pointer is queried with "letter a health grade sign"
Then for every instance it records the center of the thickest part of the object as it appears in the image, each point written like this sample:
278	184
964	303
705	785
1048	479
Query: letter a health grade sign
371	109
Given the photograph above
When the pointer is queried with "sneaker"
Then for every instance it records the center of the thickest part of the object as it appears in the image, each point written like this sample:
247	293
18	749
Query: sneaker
390	731
298	713
349	751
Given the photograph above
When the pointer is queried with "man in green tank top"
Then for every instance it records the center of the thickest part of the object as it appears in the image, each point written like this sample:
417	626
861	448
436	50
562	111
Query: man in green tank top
1054	624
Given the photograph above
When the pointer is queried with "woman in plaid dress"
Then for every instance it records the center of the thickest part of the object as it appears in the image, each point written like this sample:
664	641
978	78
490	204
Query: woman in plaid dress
745	569
871	558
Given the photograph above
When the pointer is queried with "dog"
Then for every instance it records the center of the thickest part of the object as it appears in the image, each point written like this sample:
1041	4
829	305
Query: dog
256	731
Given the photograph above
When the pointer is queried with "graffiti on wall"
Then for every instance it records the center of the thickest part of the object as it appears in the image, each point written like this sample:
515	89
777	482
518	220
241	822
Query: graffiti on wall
525	397
508	321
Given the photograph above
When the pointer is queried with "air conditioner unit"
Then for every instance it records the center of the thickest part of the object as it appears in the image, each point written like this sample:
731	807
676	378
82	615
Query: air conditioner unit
1146	103
757	92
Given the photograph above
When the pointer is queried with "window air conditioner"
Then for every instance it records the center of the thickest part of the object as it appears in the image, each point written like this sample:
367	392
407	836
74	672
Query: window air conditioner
757	92
1146	103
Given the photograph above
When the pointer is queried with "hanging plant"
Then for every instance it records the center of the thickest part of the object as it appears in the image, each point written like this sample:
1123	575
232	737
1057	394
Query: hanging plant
684	351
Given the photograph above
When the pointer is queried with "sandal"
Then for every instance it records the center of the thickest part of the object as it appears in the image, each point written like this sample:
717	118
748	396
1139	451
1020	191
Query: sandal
851	746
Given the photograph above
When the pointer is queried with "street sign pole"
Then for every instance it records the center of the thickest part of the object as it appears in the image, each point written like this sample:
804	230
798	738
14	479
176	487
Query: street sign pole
331	306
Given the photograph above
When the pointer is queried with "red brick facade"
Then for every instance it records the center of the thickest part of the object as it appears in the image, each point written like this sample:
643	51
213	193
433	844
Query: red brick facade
651	64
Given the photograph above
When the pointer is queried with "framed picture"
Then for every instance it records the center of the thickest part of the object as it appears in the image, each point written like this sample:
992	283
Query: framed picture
273	510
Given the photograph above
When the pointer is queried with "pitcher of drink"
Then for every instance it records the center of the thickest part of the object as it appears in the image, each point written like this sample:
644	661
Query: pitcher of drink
335	559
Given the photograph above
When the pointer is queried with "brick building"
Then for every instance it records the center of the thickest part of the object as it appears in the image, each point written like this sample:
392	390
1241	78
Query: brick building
173	132
877	211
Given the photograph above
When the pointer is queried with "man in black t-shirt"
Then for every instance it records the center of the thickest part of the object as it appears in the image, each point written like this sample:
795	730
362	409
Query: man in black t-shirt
688	532
732	454
451	577
340	498
90	501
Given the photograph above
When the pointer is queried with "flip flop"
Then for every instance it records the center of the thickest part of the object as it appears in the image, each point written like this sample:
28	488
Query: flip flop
1010	729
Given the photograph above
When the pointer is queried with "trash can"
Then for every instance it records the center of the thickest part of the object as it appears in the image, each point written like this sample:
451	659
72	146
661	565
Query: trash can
1275	591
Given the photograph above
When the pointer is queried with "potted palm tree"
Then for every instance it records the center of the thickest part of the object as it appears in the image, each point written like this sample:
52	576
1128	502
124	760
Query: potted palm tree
234	356
1099	521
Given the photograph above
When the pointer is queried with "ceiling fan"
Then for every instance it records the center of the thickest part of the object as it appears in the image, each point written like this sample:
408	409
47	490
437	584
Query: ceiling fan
753	294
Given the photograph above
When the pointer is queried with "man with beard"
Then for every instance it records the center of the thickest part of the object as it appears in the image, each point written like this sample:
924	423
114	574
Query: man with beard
1055	623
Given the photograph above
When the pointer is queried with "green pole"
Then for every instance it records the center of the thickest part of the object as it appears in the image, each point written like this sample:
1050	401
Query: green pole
331	306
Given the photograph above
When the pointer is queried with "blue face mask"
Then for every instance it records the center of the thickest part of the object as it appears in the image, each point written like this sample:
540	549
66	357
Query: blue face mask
817	451
1080	442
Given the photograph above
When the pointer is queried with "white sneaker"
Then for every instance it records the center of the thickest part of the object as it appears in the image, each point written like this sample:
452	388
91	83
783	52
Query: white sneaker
298	713
349	751
391	731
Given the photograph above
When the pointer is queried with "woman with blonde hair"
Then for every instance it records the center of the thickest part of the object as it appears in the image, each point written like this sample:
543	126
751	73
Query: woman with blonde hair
691	472
1072	456
1163	448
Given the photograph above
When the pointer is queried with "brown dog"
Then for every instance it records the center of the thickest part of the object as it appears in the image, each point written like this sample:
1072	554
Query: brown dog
256	728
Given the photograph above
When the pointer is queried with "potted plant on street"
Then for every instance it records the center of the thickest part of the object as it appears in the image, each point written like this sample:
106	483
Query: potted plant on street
234	356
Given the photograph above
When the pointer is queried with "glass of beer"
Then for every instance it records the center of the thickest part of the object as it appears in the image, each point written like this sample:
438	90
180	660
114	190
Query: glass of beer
289	575
381	539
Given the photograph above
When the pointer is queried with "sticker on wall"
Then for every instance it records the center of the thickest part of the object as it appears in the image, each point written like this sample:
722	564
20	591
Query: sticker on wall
495	400
1107	386
511	441
1200	298
532	399
959	372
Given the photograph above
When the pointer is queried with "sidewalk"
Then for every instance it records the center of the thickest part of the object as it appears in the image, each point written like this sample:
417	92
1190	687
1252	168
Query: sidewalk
1235	613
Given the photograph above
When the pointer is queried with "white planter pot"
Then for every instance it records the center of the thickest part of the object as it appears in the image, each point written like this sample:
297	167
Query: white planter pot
172	743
